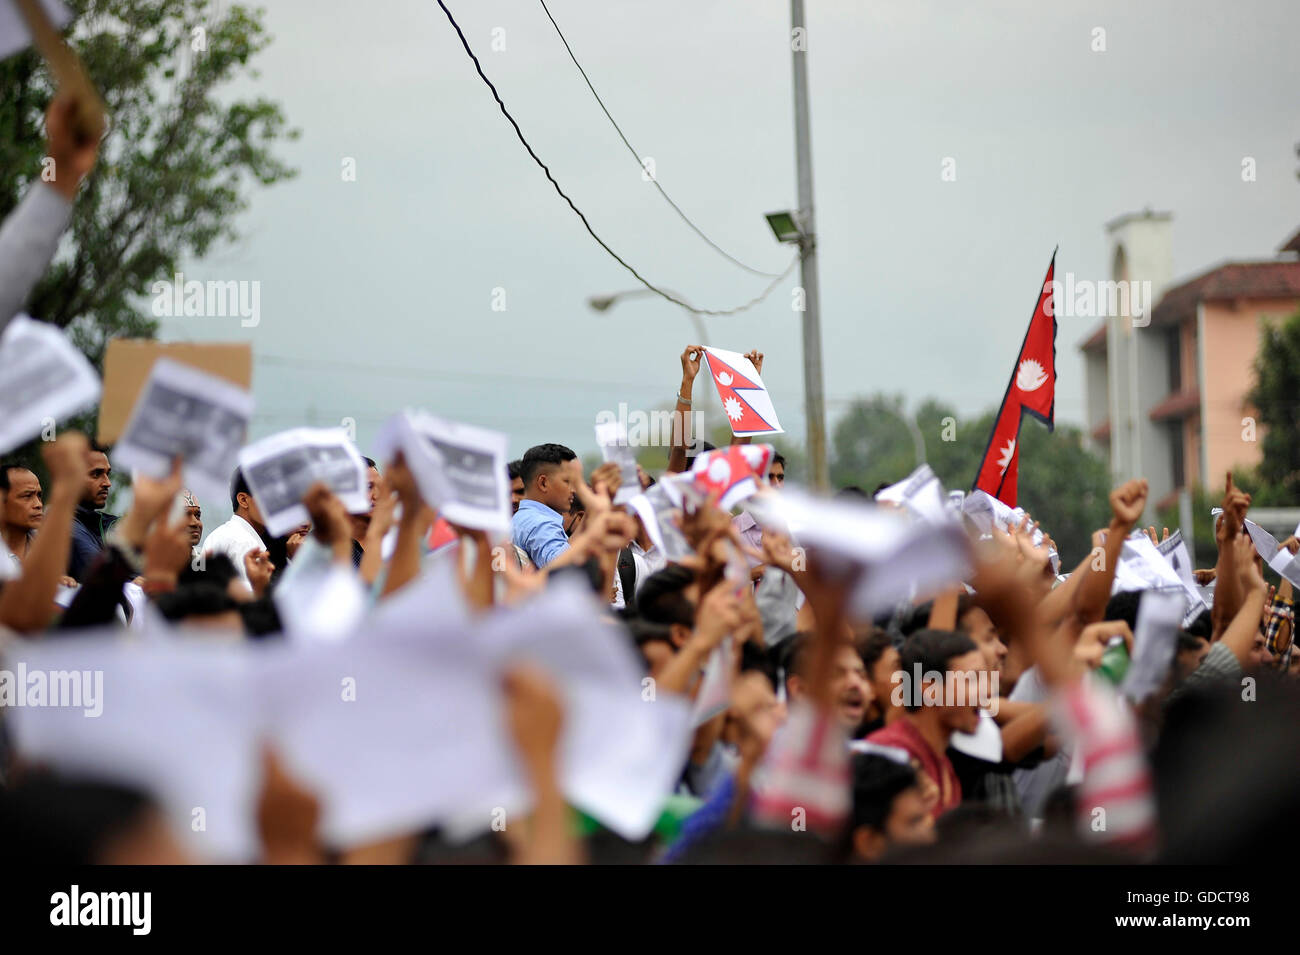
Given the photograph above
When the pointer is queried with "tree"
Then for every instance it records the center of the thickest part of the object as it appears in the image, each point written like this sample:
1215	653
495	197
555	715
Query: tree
1276	396
175	166
1062	484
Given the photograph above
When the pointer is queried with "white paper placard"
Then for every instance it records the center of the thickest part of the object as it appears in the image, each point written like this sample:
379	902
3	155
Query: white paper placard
460	468
392	733
901	559
922	495
43	379
1160	613
279	470
612	438
187	412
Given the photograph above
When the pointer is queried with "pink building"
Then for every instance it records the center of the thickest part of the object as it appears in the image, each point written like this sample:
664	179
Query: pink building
1167	393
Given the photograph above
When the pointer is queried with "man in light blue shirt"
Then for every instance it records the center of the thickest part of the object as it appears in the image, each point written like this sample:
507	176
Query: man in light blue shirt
538	526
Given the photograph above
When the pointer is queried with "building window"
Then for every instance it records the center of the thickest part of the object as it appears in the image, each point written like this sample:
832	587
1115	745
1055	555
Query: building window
1176	454
1174	356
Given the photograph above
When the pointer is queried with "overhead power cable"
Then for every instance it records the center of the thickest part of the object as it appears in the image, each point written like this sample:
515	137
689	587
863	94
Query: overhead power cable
641	162
587	225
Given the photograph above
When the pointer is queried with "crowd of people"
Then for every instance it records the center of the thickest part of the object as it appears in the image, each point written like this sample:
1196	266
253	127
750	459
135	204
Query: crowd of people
979	721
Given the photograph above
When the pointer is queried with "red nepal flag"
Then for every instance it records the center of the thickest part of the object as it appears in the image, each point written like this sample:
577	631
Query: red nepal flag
727	473
744	397
1032	391
441	534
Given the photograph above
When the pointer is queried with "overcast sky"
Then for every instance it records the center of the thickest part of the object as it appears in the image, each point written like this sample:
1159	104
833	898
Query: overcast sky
378	293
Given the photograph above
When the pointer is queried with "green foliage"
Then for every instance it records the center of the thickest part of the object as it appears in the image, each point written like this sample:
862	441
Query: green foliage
1206	552
175	168
1276	395
1063	484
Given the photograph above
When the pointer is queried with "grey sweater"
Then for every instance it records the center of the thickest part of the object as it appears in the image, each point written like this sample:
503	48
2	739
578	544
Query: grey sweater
28	240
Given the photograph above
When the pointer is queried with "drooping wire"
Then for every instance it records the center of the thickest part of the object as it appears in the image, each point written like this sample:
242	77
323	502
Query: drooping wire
587	225
640	162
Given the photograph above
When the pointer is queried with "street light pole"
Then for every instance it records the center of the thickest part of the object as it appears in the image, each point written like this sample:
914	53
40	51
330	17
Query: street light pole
814	404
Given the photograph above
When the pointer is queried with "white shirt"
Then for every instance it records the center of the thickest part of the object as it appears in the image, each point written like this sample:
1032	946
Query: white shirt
235	538
647	562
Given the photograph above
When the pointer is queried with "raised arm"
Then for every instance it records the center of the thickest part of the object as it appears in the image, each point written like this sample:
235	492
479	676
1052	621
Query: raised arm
1227	585
414	524
1126	504
692	355
30	236
1240	632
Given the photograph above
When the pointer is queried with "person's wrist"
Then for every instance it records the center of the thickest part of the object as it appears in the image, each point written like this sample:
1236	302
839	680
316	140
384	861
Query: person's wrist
63	494
65	182
132	530
160	574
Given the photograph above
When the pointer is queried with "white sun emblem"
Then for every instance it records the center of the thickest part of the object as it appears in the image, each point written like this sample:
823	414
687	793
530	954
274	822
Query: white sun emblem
1031	376
1007	453
734	411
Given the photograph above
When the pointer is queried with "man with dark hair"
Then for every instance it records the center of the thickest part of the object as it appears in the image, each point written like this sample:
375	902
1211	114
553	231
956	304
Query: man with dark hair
91	523
515	472
23	507
244	533
880	657
537	527
202	605
655	642
776	471
361	522
936	691
667	599
850	690
889	808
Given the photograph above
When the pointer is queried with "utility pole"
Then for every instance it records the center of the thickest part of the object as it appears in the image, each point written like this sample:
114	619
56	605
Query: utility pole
814	402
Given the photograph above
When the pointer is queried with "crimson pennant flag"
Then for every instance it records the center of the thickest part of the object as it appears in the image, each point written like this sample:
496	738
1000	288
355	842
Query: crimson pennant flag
1032	391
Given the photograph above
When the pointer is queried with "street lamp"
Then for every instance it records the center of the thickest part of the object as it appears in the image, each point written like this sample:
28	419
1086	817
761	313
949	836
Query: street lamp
785	226
603	303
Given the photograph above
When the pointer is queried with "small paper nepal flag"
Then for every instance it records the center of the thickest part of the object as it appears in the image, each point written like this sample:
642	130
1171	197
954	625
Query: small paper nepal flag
1032	391
744	397
731	472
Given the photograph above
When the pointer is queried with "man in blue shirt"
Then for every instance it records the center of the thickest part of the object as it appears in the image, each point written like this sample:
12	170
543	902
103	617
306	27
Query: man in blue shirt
538	526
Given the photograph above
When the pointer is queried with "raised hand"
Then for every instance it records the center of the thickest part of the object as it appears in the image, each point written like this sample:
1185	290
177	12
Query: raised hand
719	614
1235	504
258	568
606	479
1127	502
756	359
73	159
692	356
329	519
65	459
1091	644
287	816
402	482
150	499
167	550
